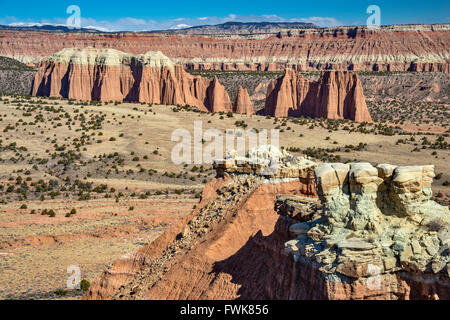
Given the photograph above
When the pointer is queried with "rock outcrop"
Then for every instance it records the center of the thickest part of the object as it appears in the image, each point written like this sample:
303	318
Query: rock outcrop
243	104
337	95
271	163
228	248
380	236
390	48
111	75
371	233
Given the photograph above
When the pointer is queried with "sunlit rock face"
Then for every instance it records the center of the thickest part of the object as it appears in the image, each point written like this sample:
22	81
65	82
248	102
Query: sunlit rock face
111	75
337	95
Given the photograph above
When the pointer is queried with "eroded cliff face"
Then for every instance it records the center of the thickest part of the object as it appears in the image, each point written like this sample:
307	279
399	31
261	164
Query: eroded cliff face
230	247
369	233
392	48
111	75
380	236
337	95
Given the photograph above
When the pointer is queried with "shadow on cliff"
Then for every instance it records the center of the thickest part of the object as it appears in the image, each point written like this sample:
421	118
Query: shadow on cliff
260	268
133	95
64	92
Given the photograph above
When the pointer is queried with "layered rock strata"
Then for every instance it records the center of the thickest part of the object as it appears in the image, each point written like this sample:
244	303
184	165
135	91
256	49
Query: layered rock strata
267	161
380	235
390	48
337	95
111	75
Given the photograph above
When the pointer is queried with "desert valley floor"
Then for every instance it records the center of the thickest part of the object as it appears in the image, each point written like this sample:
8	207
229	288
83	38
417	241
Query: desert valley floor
85	184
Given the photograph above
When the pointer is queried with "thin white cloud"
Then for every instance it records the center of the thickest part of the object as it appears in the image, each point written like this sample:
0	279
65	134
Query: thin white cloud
133	24
180	26
34	24
321	21
273	18
98	28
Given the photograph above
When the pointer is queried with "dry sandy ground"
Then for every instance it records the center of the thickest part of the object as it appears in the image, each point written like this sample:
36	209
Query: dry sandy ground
35	250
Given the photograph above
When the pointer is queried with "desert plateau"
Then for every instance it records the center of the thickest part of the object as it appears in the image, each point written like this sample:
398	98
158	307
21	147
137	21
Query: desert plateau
242	160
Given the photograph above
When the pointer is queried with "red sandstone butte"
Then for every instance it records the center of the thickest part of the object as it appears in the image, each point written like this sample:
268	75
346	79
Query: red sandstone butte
337	95
111	75
243	104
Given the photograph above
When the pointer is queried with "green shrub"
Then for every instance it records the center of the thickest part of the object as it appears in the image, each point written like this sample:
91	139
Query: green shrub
61	292
85	285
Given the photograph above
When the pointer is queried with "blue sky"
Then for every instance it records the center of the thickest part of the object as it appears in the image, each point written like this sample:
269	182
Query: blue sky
137	15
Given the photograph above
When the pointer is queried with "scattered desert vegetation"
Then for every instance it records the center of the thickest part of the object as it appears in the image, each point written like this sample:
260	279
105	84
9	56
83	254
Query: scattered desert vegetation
77	176
15	77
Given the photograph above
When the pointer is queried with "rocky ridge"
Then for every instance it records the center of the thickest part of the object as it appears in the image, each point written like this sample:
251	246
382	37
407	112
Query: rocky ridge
241	29
224	235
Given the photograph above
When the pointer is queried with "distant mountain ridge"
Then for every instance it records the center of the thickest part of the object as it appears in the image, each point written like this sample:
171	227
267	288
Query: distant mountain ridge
234	28
48	28
229	28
